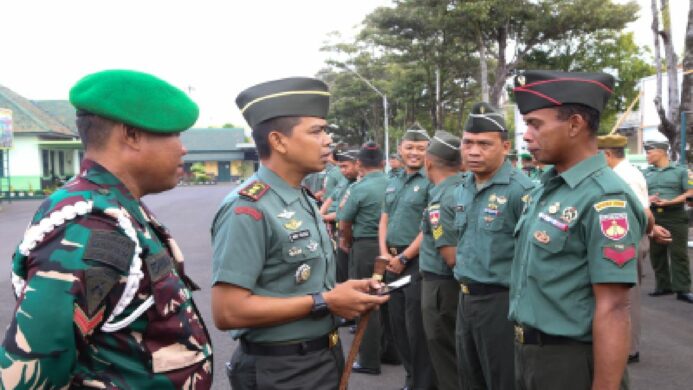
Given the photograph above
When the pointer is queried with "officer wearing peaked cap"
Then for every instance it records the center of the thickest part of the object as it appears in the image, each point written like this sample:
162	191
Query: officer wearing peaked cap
96	275
575	243
273	269
439	290
668	186
488	204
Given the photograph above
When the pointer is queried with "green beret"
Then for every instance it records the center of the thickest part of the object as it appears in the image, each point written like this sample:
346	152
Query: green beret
136	99
611	141
525	156
296	96
649	145
537	89
484	118
370	154
445	145
416	133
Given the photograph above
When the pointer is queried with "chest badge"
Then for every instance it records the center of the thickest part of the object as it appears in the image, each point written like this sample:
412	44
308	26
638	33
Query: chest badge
295	251
542	237
312	246
492	198
302	273
569	214
553	209
286	214
293	224
416	188
502	199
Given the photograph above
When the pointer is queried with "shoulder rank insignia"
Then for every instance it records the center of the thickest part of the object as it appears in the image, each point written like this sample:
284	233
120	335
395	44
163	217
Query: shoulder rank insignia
619	254
254	190
247	210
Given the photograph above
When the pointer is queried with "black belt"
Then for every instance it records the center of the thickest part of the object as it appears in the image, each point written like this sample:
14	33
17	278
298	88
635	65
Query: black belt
364	238
530	336
430	276
301	348
481	289
667	209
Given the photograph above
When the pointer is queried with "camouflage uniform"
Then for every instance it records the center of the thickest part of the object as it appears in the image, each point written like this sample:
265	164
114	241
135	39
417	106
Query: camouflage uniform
103	300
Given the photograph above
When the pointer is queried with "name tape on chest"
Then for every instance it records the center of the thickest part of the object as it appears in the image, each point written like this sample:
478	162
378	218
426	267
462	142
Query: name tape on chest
299	235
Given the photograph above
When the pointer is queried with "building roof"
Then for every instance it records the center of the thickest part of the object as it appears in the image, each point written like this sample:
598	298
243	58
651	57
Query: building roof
62	110
27	117
213	144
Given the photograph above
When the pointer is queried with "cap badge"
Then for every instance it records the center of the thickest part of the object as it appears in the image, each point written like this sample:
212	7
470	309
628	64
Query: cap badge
521	80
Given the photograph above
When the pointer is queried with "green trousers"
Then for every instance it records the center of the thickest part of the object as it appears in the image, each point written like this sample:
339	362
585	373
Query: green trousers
485	342
551	367
361	261
670	262
439	299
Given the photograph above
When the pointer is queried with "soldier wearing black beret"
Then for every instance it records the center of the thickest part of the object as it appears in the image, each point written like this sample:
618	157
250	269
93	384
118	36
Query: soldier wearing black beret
273	269
576	242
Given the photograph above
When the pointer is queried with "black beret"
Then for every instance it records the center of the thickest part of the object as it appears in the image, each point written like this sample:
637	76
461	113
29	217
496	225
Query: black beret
350	154
484	118
537	89
296	96
445	145
370	154
649	145
136	99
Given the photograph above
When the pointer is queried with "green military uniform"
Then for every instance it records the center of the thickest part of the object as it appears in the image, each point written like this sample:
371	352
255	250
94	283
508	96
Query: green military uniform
668	183
103	298
333	178
336	195
268	238
439	290
361	206
486	217
580	228
406	197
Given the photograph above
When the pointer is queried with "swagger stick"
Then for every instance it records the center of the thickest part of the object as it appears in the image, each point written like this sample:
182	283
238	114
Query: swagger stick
378	272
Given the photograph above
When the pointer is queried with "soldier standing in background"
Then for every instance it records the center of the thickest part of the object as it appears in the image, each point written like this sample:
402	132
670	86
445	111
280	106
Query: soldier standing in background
669	185
488	203
359	214
395	165
575	243
96	275
439	290
273	267
406	197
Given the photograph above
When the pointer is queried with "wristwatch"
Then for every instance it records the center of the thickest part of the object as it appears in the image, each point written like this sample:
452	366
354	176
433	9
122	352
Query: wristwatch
320	308
403	259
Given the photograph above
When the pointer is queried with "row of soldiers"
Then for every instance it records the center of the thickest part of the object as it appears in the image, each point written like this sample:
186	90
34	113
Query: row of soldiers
532	281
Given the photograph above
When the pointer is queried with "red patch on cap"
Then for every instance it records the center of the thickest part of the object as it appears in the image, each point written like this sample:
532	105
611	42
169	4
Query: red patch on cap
619	257
84	323
256	214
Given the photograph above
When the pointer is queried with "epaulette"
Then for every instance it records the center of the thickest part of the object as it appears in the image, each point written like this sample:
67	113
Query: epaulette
522	180
608	181
255	190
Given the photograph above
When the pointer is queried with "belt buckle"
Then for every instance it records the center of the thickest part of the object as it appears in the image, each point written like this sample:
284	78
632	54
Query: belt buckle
465	289
519	334
393	251
660	210
333	338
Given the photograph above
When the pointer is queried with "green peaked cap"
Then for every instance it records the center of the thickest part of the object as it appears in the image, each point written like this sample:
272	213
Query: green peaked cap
134	98
416	133
484	118
445	146
649	145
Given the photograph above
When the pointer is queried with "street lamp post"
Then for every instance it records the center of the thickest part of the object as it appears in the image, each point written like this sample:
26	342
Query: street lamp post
385	121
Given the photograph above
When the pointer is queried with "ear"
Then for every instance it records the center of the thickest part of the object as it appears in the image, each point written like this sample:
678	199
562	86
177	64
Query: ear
130	136
277	142
576	123
506	146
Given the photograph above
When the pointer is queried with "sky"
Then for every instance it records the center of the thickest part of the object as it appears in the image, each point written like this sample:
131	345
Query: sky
211	48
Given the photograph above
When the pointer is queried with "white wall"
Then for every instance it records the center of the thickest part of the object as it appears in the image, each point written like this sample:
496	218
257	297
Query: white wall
25	157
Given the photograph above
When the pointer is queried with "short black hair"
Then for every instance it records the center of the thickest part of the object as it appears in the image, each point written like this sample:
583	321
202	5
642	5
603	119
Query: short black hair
588	114
93	130
443	163
282	124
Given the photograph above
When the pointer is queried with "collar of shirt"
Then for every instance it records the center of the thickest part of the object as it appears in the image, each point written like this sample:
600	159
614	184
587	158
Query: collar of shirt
372	175
448	182
286	192
579	172
502	176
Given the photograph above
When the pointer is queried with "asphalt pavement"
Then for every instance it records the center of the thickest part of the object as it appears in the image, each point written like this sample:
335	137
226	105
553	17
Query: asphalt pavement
666	355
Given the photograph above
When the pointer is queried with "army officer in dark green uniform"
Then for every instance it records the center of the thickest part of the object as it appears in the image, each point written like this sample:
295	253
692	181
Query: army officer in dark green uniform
359	214
668	186
406	197
439	290
488	204
576	242
273	266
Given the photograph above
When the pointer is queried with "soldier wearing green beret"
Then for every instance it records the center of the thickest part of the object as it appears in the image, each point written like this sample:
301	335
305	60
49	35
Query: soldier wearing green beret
439	290
103	299
668	186
488	204
346	161
273	268
359	215
406	197
576	242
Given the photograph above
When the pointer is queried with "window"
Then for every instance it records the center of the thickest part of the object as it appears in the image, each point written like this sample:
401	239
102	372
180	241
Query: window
2	163
45	160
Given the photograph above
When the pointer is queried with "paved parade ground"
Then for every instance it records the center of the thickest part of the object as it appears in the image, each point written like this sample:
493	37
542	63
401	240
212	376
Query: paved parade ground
666	354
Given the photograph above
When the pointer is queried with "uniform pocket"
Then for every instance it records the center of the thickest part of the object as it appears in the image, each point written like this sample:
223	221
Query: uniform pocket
549	238
493	225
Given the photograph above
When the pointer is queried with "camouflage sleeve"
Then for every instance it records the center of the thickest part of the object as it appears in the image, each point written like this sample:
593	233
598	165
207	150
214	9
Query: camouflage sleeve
54	315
